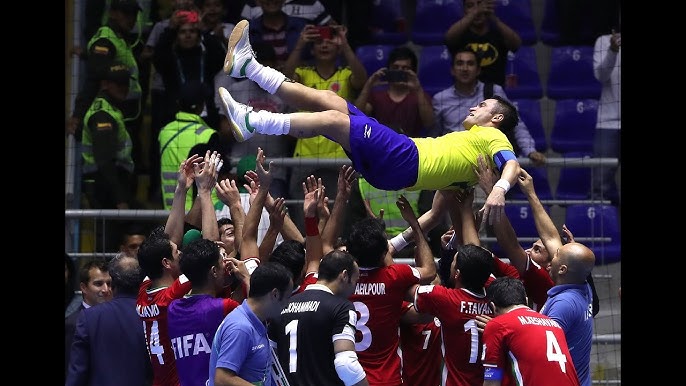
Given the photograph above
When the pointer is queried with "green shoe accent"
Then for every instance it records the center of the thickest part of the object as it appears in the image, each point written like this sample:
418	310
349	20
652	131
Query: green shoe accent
245	65
248	125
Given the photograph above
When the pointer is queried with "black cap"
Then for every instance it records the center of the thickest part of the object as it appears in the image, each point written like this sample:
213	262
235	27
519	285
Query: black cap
118	73
191	95
126	6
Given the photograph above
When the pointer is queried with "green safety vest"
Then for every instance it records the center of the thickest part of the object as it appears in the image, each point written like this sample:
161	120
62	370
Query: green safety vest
385	199
142	19
176	140
123	159
124	56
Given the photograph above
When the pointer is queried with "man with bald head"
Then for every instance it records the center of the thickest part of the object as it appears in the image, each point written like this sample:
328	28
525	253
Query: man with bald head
570	300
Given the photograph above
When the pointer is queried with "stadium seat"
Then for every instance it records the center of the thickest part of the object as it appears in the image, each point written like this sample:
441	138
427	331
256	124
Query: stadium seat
551	24
574	125
433	69
596	221
541	184
522	220
522	64
388	24
530	113
373	56
433	18
574	182
571	73
517	15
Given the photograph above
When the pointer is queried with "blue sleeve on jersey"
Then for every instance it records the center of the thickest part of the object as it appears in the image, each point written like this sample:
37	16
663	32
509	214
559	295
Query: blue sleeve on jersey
501	157
492	374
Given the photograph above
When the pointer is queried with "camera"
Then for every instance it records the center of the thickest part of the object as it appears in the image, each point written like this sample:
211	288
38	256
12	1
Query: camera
325	31
393	76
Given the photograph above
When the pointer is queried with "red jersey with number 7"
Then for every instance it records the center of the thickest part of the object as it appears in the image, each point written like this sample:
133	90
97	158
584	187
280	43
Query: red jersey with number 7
151	306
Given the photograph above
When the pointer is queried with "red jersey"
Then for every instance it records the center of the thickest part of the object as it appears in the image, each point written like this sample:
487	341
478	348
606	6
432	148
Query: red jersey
529	346
420	345
537	282
151	306
378	300
310	278
457	310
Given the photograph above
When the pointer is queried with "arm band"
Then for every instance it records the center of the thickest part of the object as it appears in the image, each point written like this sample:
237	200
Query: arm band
311	226
398	242
348	368
503	184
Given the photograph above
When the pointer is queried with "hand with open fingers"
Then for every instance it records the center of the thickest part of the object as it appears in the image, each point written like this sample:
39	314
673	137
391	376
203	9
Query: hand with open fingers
187	171
312	190
567	233
526	182
264	174
346	177
228	192
465	199
494	207
406	210
278	214
237	268
481	321
487	177
206	178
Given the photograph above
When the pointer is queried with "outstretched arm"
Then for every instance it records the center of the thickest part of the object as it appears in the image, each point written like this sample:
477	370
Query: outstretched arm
249	247
544	224
428	221
346	177
494	206
276	217
312	191
228	193
174	224
423	257
205	180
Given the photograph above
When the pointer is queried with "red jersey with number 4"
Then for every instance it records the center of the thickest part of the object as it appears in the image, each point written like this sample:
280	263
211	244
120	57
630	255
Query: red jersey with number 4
457	310
378	300
151	305
524	347
420	345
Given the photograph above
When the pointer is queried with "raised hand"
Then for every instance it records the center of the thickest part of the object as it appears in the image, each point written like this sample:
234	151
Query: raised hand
346	177
278	214
263	174
187	171
406	210
312	190
206	172
228	192
487	177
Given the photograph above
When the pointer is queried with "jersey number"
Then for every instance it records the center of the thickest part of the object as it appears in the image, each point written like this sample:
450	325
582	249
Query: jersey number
470	327
155	347
554	352
361	326
292	332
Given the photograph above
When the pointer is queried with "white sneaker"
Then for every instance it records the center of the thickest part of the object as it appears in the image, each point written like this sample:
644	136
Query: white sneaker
239	52
238	116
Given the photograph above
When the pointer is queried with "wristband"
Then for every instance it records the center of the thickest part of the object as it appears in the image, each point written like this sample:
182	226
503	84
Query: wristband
398	242
503	184
311	226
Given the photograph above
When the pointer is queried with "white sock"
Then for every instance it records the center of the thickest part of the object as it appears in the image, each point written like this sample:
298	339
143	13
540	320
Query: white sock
266	122
269	79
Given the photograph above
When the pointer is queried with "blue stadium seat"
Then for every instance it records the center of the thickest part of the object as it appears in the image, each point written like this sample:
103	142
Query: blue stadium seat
522	220
433	18
517	15
541	184
530	113
388	23
574	125
574	182
373	56
522	64
550	25
596	221
433	69
571	73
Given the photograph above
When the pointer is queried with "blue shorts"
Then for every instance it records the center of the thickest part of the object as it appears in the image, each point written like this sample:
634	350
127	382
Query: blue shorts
386	159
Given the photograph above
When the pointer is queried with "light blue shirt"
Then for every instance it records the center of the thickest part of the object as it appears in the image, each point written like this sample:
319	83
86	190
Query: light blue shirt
241	345
571	306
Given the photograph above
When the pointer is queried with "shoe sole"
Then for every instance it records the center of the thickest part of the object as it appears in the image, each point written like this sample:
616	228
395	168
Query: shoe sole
235	36
226	102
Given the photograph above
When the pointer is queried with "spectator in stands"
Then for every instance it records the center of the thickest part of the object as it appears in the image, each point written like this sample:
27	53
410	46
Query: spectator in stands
183	55
311	10
211	22
481	30
516	349
252	95
131	239
570	301
325	73
277	28
109	45
403	106
109	344
96	287
179	136
607	67
451	105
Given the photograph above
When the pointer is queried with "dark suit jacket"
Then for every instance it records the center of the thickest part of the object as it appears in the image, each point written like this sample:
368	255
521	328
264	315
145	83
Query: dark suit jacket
109	346
69	328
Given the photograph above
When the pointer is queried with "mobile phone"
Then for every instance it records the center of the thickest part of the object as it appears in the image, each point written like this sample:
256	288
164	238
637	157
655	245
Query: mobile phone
325	31
395	76
189	16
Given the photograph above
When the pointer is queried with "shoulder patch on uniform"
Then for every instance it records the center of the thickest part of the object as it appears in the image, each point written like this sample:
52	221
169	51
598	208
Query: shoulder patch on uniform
104	126
101	50
425	289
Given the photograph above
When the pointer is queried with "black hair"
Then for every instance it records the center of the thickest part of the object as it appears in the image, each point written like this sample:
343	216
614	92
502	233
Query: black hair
290	254
367	242
402	53
335	262
506	291
197	258
444	263
456	51
510	114
151	252
84	271
475	264
268	276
